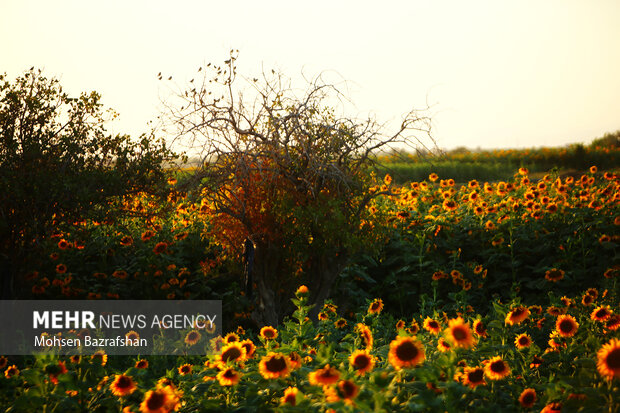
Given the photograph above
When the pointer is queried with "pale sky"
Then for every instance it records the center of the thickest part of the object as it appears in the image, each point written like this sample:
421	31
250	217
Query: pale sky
498	73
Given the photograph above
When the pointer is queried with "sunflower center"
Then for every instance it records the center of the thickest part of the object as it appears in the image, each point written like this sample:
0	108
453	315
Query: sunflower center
232	353
407	351
528	398
459	334
290	399
123	382
498	367
361	362
602	313
566	326
275	364
613	359
156	401
475	376
327	374
523	341
348	389
229	374
248	349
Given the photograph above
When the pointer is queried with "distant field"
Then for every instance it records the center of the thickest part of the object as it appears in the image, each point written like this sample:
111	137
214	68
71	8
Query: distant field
495	165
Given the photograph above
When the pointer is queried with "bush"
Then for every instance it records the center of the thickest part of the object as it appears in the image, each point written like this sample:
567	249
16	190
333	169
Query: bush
57	164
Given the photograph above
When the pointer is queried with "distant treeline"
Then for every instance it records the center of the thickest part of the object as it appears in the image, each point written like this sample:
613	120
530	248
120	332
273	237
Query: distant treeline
492	165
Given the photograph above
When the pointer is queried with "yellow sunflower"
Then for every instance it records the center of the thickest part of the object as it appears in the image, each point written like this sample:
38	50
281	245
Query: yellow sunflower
554	275
431	325
443	345
480	329
340	323
365	334
376	306
160	400
587	300
274	365
142	364
324	377
268	333
231	337
527	398
362	361
234	351
601	313
613	322
517	315
228	377
566	325
250	348
160	248
496	368
290	396
295	360
131	336
122	385
348	389
608	364
185	369
473	377
405	352
459	333
192	337
100	357
523	341
11	371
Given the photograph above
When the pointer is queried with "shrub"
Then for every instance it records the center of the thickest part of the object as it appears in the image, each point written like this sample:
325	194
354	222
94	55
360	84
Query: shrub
57	164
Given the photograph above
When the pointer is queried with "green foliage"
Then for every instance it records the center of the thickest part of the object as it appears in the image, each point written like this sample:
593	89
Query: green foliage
511	257
608	140
565	370
463	165
57	164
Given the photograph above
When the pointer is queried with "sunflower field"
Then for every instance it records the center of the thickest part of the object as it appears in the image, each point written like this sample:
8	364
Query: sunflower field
477	297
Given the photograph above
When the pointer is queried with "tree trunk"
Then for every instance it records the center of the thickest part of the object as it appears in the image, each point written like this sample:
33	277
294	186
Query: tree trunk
266	272
6	272
273	291
324	274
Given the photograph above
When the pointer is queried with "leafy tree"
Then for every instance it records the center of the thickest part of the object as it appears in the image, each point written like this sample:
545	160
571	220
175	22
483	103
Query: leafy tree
58	164
608	140
285	171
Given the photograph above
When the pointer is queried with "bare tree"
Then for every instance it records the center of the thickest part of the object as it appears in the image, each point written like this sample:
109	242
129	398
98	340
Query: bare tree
287	170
